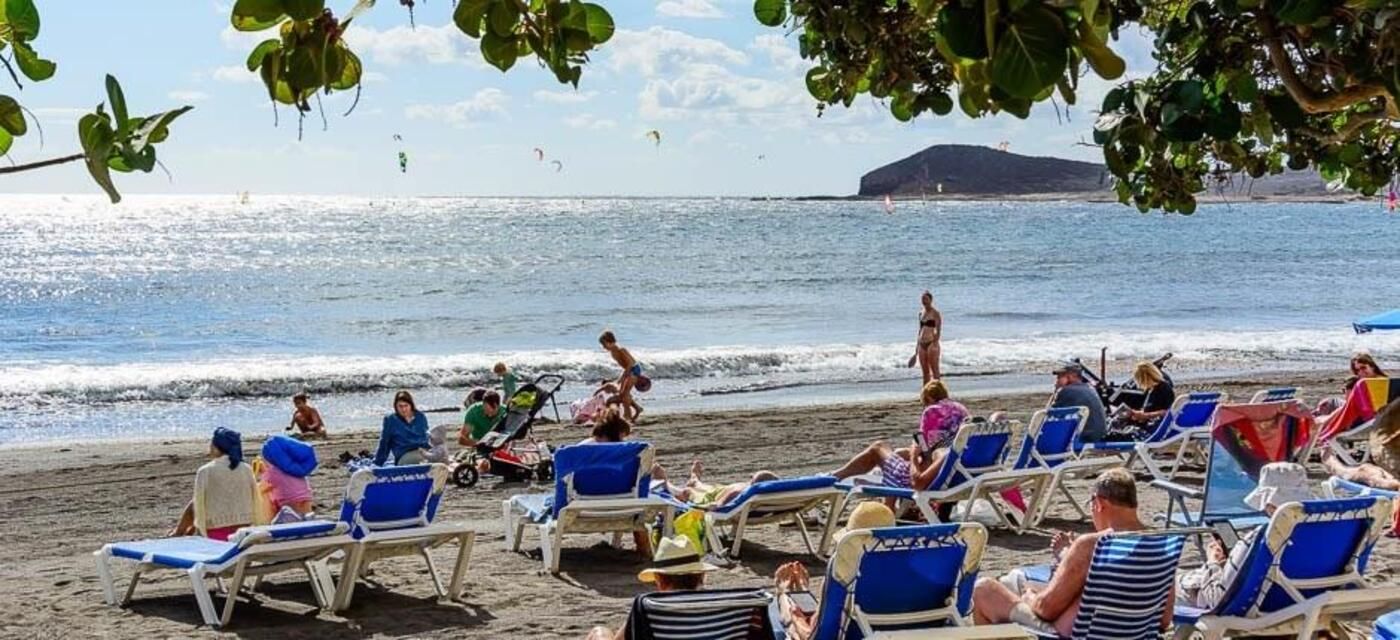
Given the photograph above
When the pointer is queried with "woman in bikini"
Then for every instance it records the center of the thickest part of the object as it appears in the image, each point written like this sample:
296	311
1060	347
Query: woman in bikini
927	351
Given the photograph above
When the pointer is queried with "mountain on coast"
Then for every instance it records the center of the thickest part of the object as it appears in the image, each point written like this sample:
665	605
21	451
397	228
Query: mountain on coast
972	171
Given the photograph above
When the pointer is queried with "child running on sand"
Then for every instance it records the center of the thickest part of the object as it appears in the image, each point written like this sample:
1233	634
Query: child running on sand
306	419
631	370
704	495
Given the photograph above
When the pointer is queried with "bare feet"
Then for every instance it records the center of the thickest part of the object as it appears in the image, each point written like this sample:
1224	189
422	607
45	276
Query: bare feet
696	469
658	472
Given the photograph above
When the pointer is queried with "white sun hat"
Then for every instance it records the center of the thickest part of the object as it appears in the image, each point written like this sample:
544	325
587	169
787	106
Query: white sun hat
1279	483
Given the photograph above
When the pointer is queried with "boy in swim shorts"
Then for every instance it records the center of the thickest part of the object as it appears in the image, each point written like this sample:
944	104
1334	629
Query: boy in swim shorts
631	370
306	419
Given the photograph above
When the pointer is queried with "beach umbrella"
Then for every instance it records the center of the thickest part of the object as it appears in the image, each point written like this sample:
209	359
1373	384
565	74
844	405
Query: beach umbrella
1385	321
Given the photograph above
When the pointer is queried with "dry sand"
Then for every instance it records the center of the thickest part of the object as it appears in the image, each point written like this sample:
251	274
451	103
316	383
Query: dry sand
61	503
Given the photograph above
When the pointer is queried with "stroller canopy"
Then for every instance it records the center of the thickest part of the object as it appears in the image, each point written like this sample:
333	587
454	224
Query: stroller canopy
1385	321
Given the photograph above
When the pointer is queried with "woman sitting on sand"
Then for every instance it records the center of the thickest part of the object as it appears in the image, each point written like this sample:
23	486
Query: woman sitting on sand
404	434
224	491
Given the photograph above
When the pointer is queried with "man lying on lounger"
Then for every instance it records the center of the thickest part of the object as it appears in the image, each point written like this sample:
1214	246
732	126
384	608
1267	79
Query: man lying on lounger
1052	608
702	494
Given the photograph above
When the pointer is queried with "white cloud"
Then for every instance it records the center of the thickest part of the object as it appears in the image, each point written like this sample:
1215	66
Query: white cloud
689	9
485	105
713	93
782	55
590	121
235	74
186	95
702	137
244	40
401	45
565	96
658	50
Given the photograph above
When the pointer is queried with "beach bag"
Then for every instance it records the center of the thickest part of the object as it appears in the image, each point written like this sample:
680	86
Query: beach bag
690	524
524	400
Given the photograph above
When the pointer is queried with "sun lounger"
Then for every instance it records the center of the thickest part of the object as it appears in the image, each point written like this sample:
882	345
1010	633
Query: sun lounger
1304	570
598	488
690	615
789	500
977	449
1277	394
1125	593
1244	438
900	578
1387	627
251	552
1176	434
1047	445
1338	488
390	511
1352	423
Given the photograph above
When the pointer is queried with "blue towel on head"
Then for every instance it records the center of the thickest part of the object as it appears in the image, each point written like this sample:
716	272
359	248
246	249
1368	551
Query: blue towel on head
231	443
294	457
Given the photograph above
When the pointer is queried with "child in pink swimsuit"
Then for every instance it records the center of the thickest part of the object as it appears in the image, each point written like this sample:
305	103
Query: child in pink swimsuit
286	474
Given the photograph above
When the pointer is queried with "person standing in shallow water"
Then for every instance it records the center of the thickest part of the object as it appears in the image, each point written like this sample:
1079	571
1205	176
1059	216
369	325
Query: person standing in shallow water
927	350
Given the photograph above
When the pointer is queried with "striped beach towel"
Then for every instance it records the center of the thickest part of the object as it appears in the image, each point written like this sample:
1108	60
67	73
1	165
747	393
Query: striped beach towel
1367	398
729	614
1125	595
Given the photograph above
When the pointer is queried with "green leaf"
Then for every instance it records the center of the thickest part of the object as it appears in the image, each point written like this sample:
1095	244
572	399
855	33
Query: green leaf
499	52
33	67
819	84
991	13
23	18
1105	62
349	74
156	128
6	140
256	15
303	69
1031	54
503	18
12	116
964	29
117	100
770	13
1244	87
1285	113
303	9
469	14
96	136
255	59
938	102
600	23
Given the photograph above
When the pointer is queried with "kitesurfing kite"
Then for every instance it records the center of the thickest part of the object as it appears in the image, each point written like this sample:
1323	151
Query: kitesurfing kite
403	157
558	166
539	154
655	136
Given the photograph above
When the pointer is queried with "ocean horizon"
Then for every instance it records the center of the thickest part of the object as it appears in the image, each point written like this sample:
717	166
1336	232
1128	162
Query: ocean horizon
168	315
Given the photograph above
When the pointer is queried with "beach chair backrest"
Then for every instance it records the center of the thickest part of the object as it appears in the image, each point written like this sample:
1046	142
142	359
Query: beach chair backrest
978	448
1277	394
601	471
1306	549
1243	440
899	576
1125	594
1194	410
389	498
769	487
741	614
1050	437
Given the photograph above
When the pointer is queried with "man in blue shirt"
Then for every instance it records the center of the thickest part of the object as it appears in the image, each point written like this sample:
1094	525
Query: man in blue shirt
1072	391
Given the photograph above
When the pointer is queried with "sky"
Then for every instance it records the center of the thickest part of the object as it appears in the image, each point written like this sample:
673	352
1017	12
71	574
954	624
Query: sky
722	89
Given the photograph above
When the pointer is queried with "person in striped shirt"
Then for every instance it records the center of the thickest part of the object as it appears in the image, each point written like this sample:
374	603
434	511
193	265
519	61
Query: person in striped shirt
676	567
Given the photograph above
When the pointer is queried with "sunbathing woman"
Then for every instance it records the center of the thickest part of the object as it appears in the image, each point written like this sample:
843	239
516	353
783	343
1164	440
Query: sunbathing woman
702	494
611	427
224	489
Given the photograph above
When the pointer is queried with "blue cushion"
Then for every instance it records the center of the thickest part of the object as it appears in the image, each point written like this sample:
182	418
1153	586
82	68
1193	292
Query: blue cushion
181	553
1388	626
538	507
1117	445
777	486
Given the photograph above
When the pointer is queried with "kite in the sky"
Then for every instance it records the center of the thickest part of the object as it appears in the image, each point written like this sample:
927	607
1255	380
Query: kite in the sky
558	166
539	154
655	136
403	157
762	157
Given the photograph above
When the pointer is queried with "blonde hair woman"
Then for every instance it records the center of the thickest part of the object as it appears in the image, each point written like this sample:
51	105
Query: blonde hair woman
1159	394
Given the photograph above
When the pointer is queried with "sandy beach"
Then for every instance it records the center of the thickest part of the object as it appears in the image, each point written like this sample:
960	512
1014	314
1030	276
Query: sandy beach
61	502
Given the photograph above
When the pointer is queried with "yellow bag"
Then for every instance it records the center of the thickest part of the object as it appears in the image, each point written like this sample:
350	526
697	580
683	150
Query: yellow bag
262	505
691	524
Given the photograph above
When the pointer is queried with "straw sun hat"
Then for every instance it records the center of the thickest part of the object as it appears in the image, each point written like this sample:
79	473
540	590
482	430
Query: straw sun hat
870	515
1279	483
675	556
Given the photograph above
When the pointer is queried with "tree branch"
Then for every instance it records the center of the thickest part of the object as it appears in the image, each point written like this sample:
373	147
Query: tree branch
13	75
41	164
1311	100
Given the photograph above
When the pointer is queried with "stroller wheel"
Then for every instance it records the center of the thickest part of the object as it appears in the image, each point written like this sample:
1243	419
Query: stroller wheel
465	475
545	470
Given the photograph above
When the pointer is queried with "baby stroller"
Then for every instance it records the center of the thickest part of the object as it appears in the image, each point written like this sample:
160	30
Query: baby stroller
508	448
1117	396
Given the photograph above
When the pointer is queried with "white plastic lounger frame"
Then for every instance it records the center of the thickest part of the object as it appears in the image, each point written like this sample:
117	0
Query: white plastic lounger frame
1038	469
616	514
416	535
252	552
1338	444
1185	439
1347	593
953	468
771	508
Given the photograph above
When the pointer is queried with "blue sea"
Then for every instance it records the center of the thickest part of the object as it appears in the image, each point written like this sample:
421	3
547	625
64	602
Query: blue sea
166	316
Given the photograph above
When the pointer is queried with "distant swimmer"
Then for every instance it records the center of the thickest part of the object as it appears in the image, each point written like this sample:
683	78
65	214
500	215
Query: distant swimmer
927	351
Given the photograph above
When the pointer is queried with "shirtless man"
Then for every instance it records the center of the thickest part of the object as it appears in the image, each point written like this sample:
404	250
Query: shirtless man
631	370
703	494
1054	606
306	419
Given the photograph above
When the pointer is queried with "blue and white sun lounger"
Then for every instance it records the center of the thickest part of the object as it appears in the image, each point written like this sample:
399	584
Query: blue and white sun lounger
1338	488
773	502
1181	431
598	488
390	511
1302	571
976	450
1277	394
251	552
1047	445
1125	593
916	577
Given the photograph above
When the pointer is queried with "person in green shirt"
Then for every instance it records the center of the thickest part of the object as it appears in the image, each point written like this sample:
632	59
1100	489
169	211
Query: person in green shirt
508	380
479	419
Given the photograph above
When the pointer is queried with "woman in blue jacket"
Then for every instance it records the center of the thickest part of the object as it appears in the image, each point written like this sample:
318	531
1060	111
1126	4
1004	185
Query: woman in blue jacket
405	433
